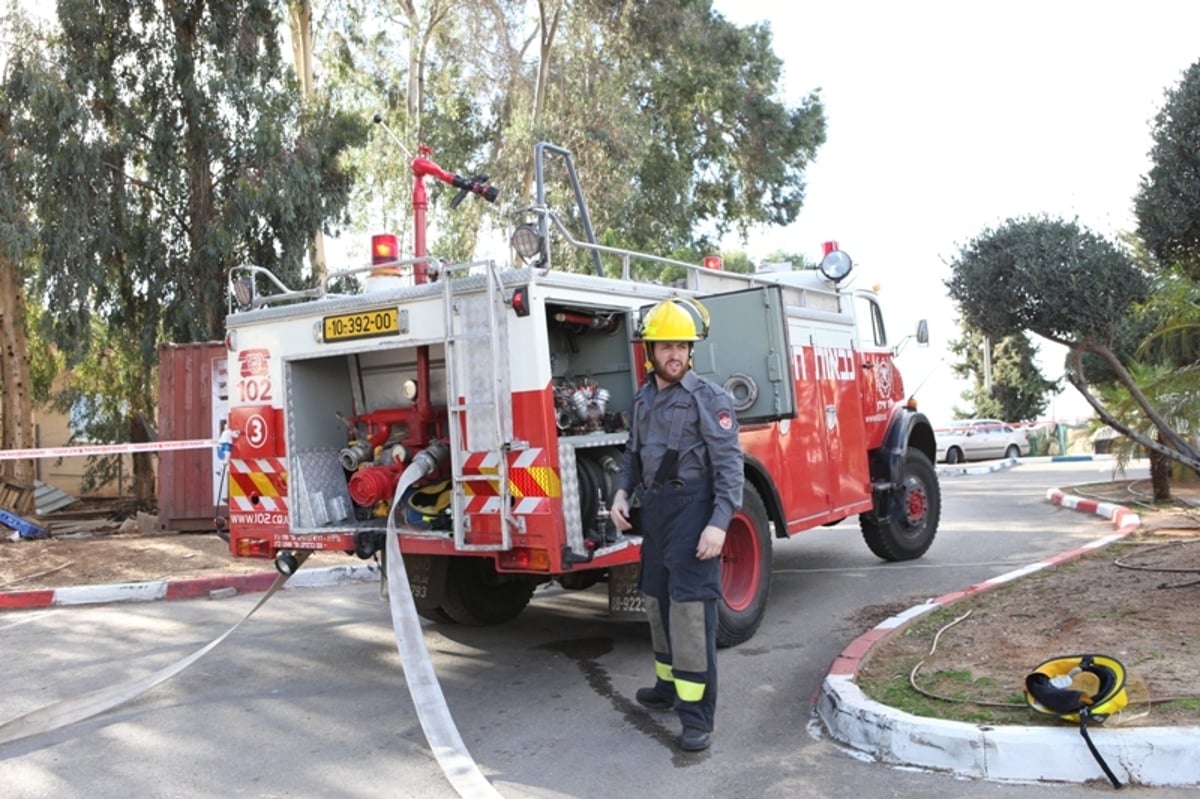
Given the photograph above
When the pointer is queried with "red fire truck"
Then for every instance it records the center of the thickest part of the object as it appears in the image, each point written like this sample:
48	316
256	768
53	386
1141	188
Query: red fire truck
510	385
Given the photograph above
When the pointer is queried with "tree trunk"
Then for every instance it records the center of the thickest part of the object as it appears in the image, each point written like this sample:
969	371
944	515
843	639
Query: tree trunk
143	462
16	403
548	27
300	20
1160	474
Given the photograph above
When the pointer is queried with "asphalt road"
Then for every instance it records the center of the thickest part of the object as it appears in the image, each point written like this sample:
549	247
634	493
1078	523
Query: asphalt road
308	699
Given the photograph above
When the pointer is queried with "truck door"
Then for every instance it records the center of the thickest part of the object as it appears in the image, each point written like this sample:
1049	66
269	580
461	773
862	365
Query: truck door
759	354
838	370
747	352
881	385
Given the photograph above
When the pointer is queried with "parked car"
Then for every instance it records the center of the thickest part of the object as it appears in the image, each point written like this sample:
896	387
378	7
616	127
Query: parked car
980	439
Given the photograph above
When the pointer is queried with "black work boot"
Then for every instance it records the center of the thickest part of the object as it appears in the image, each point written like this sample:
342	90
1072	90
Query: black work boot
694	739
651	698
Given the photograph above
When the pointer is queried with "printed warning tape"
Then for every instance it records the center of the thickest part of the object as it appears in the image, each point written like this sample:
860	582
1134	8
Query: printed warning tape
258	484
105	449
520	507
529	476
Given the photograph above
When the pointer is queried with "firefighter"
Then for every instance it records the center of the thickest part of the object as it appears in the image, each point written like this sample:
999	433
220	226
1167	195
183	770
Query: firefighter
683	470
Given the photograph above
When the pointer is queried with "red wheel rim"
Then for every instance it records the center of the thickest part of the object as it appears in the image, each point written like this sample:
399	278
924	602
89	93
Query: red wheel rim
917	504
741	563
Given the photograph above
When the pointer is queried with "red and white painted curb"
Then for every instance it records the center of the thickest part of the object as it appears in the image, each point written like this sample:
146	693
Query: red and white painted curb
211	587
1144	755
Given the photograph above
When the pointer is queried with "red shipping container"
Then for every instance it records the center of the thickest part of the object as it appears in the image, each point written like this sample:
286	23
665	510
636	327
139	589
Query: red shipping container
193	401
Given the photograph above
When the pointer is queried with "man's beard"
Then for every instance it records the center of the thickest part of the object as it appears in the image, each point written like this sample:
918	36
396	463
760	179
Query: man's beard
660	371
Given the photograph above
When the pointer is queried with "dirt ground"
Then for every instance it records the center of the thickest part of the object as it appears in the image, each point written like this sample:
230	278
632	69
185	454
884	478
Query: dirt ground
1138	601
98	542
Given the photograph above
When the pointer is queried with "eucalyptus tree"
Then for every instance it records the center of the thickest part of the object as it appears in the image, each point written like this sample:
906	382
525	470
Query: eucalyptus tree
672	114
21	81
188	151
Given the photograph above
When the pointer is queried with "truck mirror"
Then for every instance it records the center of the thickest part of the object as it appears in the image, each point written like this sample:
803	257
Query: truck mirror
923	331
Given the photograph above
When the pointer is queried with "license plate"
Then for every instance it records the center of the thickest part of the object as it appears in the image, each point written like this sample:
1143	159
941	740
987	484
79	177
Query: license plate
363	324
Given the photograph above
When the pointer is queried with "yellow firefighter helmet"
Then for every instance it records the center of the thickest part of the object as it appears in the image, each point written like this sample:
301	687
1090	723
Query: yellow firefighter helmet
674	320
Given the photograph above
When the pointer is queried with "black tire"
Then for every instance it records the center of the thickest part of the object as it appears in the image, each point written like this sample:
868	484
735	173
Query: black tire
1013	451
745	571
426	581
435	614
479	597
954	455
915	505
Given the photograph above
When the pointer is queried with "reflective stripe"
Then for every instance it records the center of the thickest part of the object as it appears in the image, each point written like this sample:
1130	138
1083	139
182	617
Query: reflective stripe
663	672
689	691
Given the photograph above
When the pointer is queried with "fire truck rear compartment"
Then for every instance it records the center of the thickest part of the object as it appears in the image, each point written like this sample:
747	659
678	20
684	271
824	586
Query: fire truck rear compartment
324	395
588	361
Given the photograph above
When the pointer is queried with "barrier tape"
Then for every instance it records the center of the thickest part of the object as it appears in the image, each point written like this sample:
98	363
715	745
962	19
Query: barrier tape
105	449
70	711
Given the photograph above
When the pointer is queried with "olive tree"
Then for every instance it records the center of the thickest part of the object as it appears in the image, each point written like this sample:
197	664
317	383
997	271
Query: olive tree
1053	278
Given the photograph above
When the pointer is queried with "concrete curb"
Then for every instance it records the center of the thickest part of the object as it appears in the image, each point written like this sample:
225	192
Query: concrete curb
946	470
212	587
1152	756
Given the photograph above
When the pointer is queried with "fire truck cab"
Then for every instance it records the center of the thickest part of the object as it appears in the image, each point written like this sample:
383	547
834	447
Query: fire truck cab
510	386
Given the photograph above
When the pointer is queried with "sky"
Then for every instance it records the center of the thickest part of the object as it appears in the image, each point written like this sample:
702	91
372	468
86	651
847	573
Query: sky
944	119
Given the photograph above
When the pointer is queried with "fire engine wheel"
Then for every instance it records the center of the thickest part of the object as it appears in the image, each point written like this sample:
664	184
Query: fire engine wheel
914	505
435	614
477	596
745	571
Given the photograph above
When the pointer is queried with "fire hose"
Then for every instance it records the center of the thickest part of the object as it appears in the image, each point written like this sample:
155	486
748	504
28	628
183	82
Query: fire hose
438	725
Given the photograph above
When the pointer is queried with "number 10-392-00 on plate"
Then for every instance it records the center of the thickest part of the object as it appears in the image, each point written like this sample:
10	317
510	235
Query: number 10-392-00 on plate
362	324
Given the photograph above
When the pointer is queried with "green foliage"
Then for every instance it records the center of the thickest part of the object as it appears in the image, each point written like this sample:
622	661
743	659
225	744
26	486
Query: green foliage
721	149
1173	314
164	145
1019	390
1068	285
108	398
1168	201
670	113
1046	276
45	361
187	153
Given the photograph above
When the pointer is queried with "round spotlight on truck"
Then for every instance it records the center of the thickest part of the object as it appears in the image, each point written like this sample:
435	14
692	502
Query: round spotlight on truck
836	265
243	292
528	244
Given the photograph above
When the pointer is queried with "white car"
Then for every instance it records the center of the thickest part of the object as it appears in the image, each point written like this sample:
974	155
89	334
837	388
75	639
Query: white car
980	439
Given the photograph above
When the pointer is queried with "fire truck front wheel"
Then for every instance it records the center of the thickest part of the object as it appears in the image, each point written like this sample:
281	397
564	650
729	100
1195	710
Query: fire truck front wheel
745	571
914	505
477	596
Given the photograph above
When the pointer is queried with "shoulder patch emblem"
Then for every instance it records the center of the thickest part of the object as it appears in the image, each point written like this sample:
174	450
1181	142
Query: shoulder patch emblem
725	420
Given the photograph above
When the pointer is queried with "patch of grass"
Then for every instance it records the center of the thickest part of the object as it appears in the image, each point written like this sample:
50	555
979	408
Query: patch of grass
1191	703
957	687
